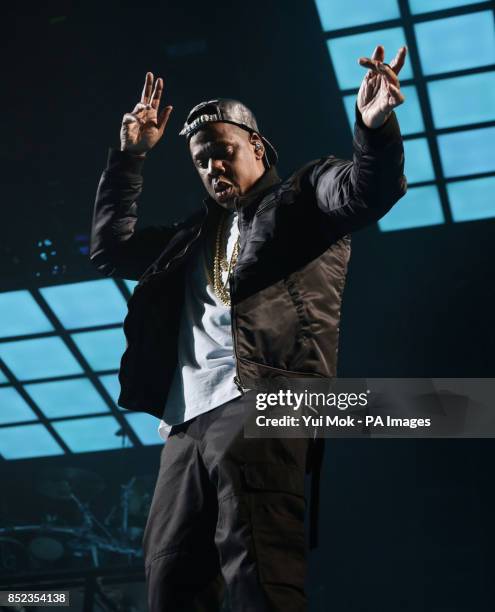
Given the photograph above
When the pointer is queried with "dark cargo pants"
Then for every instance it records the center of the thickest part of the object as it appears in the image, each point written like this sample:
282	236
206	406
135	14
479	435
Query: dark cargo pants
227	511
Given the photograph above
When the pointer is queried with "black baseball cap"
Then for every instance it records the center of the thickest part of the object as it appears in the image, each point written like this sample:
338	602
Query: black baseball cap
228	111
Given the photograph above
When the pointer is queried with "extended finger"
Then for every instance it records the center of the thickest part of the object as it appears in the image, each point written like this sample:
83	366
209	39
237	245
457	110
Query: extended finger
148	86
398	62
157	93
378	53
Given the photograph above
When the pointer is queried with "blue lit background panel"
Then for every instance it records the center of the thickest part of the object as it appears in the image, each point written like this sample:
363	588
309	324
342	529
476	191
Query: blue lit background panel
418	208
145	426
20	315
456	43
463	100
91	434
336	14
346	50
112	386
418	166
13	408
26	441
101	349
62	398
39	358
349	104
472	199
467	152
3	378
98	302
130	284
426	6
408	114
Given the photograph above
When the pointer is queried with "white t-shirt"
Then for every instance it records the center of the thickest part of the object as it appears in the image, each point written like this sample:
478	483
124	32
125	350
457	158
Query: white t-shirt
204	377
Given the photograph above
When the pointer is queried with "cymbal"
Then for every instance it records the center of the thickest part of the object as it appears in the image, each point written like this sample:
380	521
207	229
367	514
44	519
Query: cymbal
62	483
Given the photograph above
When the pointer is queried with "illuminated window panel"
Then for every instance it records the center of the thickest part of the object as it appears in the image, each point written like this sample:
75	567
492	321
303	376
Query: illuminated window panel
20	315
145	426
473	199
336	14
463	100
349	104
66	398
13	408
346	50
420	207
86	304
91	434
39	358
418	166
130	284
26	441
101	349
408	114
427	6
467	152
112	385
466	41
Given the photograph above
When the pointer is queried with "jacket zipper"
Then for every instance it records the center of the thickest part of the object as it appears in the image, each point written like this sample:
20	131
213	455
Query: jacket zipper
237	378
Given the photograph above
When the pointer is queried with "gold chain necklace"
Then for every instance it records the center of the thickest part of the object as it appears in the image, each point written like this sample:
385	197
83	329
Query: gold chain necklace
221	263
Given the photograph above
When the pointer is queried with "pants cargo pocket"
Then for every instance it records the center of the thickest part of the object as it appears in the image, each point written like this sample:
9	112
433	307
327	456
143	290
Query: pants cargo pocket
275	496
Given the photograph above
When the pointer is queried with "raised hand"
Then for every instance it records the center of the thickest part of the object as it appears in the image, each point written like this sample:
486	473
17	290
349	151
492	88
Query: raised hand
380	90
143	128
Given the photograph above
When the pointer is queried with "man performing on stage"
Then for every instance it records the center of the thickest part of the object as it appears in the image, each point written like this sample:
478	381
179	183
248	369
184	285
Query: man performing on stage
247	288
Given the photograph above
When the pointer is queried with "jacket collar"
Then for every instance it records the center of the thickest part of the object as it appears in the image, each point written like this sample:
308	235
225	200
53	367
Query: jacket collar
260	188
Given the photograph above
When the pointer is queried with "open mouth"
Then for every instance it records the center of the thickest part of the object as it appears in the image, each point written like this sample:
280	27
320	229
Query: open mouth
223	191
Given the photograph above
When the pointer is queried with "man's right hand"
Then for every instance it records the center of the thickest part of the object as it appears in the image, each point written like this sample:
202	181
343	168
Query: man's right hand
143	128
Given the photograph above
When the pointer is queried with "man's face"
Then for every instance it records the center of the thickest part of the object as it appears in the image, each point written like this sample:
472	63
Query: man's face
227	160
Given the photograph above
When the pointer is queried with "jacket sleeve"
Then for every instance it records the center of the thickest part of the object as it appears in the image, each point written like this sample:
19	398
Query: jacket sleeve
359	192
117	248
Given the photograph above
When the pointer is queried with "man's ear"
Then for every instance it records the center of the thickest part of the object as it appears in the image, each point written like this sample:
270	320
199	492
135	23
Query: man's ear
258	146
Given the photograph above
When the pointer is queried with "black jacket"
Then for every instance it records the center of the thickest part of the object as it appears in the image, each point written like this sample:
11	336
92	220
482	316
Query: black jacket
287	286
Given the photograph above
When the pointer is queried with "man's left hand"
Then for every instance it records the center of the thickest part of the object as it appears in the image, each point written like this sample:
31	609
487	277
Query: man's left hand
380	90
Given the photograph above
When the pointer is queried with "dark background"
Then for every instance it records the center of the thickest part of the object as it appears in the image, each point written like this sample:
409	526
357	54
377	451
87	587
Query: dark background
406	524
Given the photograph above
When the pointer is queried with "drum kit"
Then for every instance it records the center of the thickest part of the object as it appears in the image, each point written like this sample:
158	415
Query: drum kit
83	539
